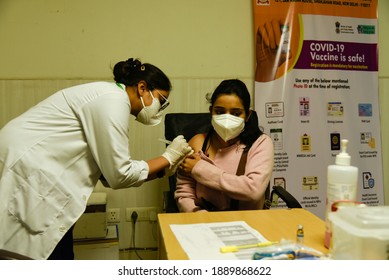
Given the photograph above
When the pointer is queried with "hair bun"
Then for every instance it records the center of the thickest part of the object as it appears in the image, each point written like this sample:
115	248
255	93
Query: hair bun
133	63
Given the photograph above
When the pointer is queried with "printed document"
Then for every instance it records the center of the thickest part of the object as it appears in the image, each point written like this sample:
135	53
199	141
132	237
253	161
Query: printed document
203	241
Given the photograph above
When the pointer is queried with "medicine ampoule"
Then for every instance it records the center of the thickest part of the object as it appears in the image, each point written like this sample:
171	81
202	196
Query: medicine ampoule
300	235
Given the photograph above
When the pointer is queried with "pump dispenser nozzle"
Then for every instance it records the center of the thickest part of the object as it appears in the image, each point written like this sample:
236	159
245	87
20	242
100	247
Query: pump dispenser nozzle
343	158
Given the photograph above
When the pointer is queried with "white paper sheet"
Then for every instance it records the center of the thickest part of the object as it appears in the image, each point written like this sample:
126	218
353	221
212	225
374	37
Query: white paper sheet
203	241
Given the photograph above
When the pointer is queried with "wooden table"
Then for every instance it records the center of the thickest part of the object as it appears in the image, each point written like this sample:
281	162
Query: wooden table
272	224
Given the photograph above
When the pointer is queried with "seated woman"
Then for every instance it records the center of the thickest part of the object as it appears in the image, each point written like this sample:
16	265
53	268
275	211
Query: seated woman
232	164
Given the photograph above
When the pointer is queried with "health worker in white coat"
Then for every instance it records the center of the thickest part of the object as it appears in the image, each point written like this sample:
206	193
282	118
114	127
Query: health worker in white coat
52	156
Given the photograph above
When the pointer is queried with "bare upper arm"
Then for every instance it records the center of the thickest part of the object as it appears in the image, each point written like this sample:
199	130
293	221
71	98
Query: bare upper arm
197	142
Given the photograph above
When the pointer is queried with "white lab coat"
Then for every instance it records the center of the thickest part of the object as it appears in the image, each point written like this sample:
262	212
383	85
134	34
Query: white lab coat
51	158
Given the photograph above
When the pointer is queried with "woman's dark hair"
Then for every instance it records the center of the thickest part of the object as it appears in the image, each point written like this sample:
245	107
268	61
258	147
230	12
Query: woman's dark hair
132	71
251	130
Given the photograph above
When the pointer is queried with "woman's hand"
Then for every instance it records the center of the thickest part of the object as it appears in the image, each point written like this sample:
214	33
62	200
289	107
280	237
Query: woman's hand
188	164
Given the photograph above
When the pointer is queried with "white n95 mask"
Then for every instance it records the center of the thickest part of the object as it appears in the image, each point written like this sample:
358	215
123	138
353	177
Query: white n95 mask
227	126
150	115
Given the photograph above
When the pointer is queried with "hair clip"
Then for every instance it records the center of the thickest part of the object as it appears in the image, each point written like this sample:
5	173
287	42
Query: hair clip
131	62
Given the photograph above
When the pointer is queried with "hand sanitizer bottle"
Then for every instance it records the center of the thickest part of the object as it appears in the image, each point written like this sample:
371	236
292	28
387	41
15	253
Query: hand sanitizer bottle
342	180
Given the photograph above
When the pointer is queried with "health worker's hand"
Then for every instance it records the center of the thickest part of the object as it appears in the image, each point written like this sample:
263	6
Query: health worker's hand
177	150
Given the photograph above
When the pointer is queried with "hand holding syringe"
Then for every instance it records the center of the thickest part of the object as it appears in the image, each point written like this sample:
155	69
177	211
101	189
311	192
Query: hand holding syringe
176	152
164	141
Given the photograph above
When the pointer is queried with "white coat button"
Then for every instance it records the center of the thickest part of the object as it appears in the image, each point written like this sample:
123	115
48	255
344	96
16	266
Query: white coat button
84	197
62	228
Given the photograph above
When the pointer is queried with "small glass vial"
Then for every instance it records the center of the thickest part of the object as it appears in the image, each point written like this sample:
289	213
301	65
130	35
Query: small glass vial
300	235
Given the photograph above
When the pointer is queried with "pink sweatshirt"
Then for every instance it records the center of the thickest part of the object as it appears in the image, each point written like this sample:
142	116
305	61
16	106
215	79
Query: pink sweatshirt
216	181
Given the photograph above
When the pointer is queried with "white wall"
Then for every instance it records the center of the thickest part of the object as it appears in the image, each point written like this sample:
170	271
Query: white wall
83	38
50	44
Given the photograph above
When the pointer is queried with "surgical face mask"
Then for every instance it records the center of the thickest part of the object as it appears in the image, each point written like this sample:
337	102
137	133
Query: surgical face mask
227	126
150	115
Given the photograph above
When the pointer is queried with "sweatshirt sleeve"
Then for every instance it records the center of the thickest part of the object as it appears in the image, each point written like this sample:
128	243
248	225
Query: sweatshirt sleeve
185	194
105	122
250	186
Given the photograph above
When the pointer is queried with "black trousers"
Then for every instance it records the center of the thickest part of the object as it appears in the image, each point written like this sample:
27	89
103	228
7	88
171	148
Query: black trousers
64	248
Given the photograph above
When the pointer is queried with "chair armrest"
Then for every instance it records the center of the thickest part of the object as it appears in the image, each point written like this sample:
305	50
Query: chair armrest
289	199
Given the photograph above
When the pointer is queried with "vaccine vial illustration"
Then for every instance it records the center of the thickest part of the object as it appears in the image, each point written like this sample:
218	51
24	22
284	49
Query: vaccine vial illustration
285	37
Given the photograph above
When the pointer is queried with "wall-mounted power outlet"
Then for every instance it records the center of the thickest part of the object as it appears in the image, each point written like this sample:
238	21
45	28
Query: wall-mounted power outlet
144	213
113	215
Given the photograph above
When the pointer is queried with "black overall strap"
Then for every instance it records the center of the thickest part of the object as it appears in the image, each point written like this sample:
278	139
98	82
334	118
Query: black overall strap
207	136
234	204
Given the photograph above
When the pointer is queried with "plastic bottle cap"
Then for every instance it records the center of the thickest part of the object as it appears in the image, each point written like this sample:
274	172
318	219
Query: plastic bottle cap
343	158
